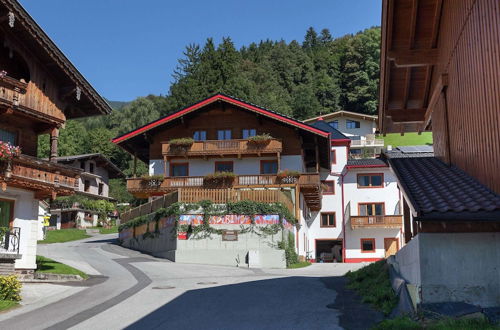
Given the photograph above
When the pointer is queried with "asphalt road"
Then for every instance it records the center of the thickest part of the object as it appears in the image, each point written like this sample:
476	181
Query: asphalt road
130	290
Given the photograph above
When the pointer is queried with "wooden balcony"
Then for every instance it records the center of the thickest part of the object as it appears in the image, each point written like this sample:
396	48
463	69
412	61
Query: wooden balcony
377	221
28	99
309	184
47	179
221	148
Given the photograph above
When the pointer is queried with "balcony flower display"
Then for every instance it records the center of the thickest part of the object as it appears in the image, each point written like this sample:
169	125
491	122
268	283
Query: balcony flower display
288	176
181	145
153	181
260	140
219	180
8	151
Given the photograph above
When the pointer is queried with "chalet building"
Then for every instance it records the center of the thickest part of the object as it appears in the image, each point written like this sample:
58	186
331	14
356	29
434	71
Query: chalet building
40	90
223	129
359	128
360	219
93	183
439	72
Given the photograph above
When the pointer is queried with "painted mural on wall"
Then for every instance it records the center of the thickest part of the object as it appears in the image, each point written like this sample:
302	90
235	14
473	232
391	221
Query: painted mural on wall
228	219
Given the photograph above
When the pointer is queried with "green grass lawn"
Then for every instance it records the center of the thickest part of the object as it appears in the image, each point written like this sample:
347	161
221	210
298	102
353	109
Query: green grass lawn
46	265
7	304
63	235
301	264
373	285
409	139
111	230
444	324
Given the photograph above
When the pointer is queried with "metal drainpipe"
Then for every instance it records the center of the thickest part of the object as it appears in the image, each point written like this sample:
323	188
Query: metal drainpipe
343	220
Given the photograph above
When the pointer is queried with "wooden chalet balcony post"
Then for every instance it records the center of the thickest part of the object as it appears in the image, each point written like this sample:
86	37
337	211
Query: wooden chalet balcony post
54	137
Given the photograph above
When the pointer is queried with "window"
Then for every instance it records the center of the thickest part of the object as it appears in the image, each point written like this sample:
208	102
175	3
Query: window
101	188
249	132
368	245
179	169
351	124
86	185
372	180
371	208
328	187
8	136
268	166
224	134
91	167
334	157
334	124
82	165
200	135
328	220
223	166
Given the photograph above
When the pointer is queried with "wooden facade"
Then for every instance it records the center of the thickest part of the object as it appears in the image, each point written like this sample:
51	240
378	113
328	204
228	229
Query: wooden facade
440	66
39	90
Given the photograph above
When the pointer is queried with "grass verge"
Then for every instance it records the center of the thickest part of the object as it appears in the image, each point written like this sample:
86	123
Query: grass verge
63	235
300	264
46	265
373	285
7	304
112	230
406	323
409	139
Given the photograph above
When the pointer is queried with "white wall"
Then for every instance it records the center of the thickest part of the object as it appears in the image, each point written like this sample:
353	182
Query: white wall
353	242
366	126
26	218
243	166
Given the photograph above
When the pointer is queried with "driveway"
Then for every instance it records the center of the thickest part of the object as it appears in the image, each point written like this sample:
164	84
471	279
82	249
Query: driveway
131	290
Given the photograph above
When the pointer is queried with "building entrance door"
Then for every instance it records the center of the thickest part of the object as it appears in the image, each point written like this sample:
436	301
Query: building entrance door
390	246
6	213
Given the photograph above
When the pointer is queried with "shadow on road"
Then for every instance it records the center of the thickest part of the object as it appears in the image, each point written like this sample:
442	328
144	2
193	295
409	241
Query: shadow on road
282	303
109	240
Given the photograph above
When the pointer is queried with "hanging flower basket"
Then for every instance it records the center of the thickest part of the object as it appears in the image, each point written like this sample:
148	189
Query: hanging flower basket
219	180
260	141
288	177
181	145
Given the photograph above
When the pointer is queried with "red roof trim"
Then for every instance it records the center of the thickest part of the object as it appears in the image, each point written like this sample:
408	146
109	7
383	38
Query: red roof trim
341	142
210	100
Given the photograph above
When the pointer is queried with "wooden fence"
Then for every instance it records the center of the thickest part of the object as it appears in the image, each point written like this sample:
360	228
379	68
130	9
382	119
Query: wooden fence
219	196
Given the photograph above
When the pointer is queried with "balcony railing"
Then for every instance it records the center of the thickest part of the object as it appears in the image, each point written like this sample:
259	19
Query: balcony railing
9	240
258	180
223	147
367	143
376	221
40	175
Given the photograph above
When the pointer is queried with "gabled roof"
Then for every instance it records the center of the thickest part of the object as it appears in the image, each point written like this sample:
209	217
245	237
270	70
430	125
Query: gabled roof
102	161
224	98
36	40
439	192
334	133
341	113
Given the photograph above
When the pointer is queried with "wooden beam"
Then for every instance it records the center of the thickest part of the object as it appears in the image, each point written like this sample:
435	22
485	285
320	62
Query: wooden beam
413	57
407	115
440	85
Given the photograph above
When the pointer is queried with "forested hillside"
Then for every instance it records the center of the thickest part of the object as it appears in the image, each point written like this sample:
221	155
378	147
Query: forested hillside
317	76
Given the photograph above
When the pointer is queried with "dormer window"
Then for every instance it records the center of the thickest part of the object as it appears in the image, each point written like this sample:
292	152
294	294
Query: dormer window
352	124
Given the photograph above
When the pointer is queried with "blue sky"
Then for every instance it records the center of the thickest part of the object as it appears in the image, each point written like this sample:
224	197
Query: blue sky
129	48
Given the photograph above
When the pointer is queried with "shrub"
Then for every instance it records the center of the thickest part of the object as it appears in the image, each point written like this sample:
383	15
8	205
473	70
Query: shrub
288	245
10	288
